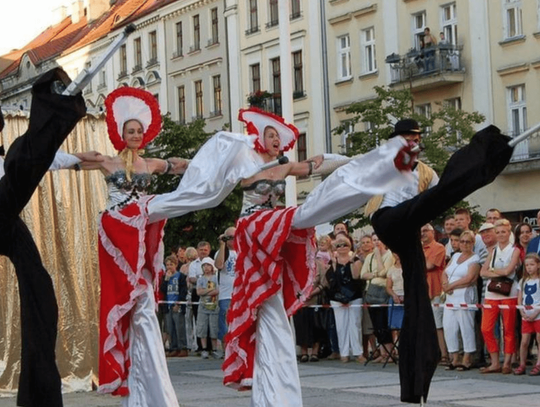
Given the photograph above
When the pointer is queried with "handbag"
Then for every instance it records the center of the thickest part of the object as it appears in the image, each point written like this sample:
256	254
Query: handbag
500	285
376	294
344	295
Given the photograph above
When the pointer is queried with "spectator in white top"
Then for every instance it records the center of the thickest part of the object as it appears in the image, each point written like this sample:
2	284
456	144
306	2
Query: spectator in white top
226	264
463	221
195	271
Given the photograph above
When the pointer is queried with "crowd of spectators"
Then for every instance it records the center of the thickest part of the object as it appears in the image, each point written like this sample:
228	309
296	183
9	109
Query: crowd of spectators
462	267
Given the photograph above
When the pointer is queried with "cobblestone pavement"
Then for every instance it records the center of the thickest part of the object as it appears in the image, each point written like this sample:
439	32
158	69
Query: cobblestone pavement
332	383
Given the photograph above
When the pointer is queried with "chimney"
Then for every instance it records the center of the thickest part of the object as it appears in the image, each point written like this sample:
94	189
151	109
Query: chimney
58	15
96	8
77	11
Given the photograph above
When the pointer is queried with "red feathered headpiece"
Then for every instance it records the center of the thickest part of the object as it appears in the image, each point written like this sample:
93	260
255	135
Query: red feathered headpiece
124	104
257	120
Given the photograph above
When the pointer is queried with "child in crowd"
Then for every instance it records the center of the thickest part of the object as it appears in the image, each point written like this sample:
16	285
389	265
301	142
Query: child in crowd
207	289
529	294
394	288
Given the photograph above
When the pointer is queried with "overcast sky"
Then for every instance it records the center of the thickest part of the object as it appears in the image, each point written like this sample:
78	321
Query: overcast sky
23	20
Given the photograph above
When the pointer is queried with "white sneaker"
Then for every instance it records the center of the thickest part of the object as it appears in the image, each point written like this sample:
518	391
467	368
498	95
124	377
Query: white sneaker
216	354
204	354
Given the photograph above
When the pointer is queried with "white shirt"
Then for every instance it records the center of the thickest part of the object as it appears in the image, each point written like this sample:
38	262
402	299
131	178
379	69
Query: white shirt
195	269
227	275
455	271
531	294
407	191
61	161
502	259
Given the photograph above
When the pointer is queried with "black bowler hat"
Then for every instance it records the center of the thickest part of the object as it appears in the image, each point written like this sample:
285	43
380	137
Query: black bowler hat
406	126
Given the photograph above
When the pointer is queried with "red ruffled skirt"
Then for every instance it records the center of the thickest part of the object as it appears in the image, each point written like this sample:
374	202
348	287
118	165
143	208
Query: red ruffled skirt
127	245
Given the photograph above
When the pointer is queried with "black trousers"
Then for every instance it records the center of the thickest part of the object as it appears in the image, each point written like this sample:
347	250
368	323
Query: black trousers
52	117
469	169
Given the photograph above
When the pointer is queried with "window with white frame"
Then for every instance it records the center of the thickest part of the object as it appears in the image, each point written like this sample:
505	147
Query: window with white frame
371	129
273	13
137	54
152	44
123	60
216	81
295	9
369	60
253	17
298	75
196	33
424	110
181	104
418	26
102	79
453	102
276	75
517	108
449	23
344	58
301	148
348	130
255	71
537	15
198	99
512	18
214	38
179	40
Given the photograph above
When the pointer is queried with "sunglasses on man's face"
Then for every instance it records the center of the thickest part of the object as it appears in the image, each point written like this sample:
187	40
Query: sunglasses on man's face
339	245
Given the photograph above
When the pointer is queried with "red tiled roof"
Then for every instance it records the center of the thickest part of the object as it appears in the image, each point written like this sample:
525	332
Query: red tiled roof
66	37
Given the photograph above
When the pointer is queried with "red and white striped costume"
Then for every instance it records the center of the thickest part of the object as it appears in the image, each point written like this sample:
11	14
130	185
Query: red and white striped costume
272	257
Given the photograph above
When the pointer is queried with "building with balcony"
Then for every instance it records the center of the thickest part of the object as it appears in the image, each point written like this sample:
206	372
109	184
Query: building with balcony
486	62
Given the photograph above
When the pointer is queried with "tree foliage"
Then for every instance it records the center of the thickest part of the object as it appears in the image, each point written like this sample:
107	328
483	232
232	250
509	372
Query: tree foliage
446	130
184	141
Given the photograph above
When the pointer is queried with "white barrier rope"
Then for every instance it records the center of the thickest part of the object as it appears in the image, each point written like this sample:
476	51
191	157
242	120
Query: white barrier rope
448	305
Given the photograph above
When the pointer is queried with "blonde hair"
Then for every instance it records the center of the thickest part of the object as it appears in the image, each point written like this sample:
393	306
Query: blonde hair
468	233
503	222
324	238
126	154
191	253
536	258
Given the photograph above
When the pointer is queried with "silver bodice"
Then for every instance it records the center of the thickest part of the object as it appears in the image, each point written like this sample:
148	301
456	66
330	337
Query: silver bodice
121	191
263	194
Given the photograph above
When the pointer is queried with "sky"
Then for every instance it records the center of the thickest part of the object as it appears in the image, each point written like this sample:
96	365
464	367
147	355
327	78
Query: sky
23	20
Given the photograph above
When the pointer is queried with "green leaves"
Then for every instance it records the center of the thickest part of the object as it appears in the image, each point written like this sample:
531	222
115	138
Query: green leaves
446	128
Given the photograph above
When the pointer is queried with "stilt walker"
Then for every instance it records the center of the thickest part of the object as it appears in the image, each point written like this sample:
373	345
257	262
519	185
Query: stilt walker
52	117
398	223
